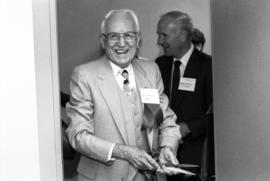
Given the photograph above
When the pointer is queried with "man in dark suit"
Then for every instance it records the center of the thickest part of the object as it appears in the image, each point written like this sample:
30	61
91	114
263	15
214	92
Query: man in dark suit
187	77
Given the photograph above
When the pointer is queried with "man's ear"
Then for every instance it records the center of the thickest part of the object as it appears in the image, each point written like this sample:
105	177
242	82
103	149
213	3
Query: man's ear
139	40
183	35
102	40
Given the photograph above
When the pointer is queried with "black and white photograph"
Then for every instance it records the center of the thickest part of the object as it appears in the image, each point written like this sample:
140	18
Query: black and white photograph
132	90
98	119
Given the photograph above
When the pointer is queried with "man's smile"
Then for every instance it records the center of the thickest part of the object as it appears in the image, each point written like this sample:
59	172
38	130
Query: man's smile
121	51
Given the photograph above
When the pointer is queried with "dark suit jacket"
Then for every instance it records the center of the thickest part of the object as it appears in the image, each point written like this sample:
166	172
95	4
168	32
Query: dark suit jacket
191	107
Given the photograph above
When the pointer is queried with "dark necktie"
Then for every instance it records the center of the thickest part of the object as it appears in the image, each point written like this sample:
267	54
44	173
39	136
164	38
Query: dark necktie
175	82
126	87
125	75
127	90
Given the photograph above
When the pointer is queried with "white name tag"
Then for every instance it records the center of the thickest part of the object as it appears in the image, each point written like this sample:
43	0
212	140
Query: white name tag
149	96
187	84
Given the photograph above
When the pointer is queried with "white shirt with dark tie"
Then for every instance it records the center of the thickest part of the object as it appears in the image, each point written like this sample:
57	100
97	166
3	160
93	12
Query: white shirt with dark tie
184	60
117	72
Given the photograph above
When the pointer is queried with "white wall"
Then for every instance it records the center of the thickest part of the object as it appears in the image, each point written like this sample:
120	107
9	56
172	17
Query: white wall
79	24
19	146
30	146
242	89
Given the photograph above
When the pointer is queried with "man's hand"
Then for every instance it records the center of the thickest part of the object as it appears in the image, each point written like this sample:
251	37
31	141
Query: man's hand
184	130
167	156
137	157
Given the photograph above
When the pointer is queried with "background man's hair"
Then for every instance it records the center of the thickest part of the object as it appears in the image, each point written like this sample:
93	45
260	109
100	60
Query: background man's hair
181	18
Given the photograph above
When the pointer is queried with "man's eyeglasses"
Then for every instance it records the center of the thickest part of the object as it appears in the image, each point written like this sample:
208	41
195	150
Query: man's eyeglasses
129	37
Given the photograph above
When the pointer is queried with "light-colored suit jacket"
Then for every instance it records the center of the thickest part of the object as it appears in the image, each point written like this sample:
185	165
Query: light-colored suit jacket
96	118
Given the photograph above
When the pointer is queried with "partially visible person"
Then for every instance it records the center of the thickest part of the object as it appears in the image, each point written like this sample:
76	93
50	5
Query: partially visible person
198	39
68	152
106	111
187	77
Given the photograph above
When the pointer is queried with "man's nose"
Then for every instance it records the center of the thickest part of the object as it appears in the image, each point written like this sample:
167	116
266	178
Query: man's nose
160	40
122	41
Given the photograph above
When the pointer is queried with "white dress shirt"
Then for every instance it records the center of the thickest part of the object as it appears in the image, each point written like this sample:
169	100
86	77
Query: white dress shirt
117	72
184	60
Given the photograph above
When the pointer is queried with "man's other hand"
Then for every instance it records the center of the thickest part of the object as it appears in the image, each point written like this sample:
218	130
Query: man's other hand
167	156
184	130
137	157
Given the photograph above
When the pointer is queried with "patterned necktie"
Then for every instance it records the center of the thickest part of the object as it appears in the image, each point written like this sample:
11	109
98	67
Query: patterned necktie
175	83
126	87
125	75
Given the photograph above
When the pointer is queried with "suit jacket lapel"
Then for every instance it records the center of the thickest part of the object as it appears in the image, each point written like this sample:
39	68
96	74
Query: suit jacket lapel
142	82
140	75
141	78
109	89
166	70
192	68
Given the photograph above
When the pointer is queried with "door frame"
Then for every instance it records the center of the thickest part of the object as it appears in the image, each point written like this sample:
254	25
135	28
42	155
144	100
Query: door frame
47	81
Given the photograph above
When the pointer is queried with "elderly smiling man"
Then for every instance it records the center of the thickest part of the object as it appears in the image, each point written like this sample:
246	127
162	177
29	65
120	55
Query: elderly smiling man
106	110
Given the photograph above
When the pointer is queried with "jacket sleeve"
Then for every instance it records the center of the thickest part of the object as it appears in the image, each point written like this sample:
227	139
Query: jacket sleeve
169	130
80	110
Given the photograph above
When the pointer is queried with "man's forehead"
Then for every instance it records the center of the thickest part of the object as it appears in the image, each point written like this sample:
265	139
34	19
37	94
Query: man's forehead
121	22
168	25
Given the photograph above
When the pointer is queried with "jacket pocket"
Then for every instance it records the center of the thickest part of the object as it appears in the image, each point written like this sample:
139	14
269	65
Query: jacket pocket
87	167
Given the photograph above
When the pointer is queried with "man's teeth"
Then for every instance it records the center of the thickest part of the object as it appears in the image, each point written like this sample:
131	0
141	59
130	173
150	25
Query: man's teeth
121	51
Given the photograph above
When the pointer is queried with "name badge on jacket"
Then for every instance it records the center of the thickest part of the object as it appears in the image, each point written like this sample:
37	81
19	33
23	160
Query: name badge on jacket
187	84
149	96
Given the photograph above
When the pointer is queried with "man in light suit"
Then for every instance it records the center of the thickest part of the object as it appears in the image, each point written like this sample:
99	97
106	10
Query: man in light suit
187	76
106	110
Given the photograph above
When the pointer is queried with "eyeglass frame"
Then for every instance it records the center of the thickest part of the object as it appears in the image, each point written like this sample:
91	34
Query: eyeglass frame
119	35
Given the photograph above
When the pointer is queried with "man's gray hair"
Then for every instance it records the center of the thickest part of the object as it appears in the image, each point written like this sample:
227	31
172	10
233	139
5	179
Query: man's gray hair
120	11
181	18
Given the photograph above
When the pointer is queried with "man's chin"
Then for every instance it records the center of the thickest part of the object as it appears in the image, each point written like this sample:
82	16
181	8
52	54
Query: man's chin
166	53
124	58
121	62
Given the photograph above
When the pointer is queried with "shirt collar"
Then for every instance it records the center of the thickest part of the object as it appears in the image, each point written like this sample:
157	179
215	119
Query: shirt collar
185	58
118	70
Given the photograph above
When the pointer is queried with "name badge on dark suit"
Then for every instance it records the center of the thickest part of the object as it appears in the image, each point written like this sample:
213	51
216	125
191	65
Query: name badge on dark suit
187	84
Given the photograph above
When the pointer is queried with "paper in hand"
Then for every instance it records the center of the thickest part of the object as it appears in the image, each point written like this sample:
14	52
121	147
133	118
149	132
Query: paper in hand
179	168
